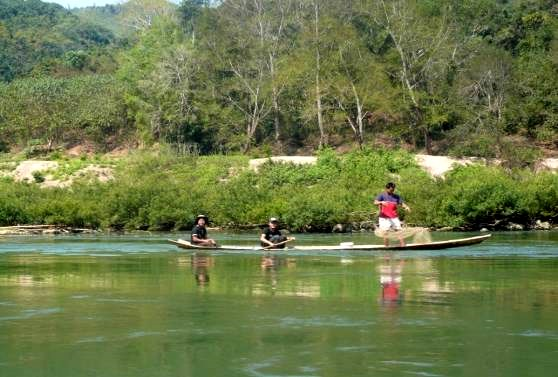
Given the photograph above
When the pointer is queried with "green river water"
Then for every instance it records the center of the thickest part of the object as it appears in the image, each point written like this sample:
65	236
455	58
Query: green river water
133	305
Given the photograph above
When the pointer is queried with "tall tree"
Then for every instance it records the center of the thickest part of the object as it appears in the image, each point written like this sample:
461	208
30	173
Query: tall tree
255	30
427	49
140	14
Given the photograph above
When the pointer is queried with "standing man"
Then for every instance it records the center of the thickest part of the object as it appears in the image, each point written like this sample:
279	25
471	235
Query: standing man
272	236
199	233
388	201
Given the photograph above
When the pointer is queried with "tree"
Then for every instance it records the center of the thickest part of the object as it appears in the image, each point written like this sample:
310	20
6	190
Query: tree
55	111
360	86
189	12
247	55
428	48
141	14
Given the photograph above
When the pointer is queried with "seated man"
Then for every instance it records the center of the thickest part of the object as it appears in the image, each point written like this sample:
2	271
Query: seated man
272	236
199	233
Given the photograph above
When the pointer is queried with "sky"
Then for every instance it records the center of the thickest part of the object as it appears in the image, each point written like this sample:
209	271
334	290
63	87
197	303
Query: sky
86	3
82	3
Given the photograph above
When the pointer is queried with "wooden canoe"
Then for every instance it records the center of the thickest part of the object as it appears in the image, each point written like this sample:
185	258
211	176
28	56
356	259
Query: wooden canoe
344	245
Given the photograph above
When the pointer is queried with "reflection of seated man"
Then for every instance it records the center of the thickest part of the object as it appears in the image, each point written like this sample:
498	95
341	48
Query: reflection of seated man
199	232
269	262
390	279
200	263
272	236
269	265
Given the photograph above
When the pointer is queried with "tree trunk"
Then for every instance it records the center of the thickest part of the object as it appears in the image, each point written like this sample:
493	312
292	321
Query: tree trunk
276	122
360	133
427	140
274	100
359	118
250	131
319	110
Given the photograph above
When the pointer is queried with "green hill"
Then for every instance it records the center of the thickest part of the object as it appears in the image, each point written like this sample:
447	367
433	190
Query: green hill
467	77
107	16
44	38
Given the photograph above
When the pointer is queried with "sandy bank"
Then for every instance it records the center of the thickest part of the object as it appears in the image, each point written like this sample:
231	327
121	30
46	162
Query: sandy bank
436	166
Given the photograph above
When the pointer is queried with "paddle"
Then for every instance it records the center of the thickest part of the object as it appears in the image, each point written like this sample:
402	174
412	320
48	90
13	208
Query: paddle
278	244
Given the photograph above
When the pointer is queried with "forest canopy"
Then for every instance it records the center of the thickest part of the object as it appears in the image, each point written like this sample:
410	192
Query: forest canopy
471	77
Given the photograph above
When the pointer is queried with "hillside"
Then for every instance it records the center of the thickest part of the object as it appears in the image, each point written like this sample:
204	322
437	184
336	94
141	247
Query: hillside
460	78
107	16
38	38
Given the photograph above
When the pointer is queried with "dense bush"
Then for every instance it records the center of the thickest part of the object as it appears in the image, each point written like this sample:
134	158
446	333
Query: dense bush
163	191
479	195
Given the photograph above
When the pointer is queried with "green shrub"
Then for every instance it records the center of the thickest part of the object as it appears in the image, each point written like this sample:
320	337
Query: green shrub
38	176
476	195
164	191
540	196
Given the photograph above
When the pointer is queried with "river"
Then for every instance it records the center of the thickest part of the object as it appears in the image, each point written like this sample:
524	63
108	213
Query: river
134	305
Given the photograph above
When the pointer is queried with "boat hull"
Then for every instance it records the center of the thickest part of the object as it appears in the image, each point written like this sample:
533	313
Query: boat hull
344	246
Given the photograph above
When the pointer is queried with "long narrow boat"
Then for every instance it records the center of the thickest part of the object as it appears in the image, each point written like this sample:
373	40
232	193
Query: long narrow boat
345	245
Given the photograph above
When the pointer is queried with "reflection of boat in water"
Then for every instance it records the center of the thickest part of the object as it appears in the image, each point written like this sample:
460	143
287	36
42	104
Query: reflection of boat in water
345	245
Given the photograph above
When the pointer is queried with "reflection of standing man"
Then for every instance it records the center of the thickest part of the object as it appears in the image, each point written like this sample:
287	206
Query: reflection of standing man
388	201
390	280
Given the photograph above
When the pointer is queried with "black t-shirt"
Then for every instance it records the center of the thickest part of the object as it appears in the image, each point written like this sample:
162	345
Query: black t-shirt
270	233
200	232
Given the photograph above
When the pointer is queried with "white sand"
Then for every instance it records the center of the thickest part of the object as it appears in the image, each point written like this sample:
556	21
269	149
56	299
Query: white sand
24	172
436	166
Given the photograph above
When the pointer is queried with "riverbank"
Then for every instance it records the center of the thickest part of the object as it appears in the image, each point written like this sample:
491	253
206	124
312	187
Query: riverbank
42	229
160	191
436	166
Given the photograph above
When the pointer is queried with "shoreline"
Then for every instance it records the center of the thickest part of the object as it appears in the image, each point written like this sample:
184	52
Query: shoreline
29	230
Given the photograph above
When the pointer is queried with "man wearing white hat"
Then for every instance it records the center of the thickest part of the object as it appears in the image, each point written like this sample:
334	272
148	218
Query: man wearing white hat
199	232
272	236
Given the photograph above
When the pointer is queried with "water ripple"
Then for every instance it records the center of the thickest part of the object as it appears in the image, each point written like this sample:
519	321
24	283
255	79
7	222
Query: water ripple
140	334
537	334
322	321
354	348
423	373
412	363
29	313
96	339
254	369
123	300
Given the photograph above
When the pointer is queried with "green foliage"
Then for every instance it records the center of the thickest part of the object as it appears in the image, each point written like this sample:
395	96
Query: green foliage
38	176
105	16
540	196
459	77
475	196
51	111
163	190
37	36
